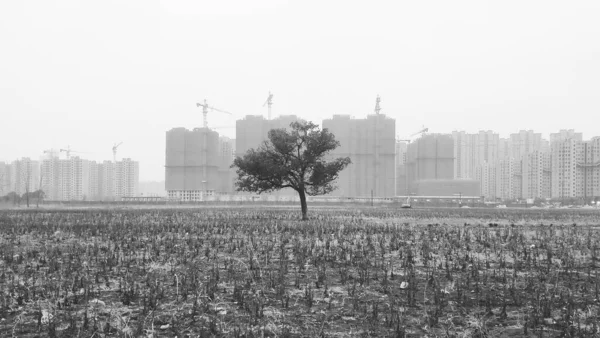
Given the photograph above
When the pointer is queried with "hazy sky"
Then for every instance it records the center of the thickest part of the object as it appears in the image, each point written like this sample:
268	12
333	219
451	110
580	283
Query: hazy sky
91	73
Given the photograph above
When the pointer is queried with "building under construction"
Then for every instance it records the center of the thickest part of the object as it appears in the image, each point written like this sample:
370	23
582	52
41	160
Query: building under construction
371	145
196	164
430	167
253	130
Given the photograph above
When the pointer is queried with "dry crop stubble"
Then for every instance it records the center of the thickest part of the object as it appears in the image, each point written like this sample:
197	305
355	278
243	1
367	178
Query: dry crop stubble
247	272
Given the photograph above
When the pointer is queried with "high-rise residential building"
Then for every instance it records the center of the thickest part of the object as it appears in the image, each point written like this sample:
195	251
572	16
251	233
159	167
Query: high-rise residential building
565	134
401	173
474	155
253	130
487	144
486	174
371	145
463	155
106	181
430	157
192	163
93	190
127	178
536	175
50	172
588	170
504	179
517	179
71	179
564	168
504	147
74	178
24	176
4	178
525	142
226	173
563	148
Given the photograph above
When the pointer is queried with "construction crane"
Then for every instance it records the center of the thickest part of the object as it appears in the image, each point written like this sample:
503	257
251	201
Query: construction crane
114	149
68	151
205	108
269	103
52	152
424	130
377	107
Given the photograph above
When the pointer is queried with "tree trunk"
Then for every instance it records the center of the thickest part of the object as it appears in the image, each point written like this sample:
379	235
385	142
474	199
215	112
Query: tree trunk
303	204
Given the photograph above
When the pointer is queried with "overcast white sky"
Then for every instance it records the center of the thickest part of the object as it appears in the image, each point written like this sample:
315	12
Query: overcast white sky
91	73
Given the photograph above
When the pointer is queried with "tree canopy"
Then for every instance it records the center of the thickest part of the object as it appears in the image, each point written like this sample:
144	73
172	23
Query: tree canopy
294	158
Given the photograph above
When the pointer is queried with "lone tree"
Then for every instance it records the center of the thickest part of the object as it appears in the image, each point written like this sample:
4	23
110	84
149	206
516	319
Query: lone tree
291	159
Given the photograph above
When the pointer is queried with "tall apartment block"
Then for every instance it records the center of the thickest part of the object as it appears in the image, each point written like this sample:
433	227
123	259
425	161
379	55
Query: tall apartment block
504	147
476	156
127	173
588	169
525	142
463	155
4	179
371	145
197	164
536	175
93	185
401	172
473	150
106	181
504	179
24	176
226	155
564	146
431	157
77	179
486	174
253	130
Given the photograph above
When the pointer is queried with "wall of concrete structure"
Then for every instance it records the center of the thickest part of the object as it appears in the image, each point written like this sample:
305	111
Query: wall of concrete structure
401	174
253	130
4	178
504	179
23	176
192	160
564	168
370	143
588	169
431	157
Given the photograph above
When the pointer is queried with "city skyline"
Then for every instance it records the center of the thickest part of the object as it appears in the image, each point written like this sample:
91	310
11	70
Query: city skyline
148	178
69	78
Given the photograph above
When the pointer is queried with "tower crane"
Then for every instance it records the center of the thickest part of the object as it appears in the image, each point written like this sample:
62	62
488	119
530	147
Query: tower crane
424	130
68	151
269	103
205	108
377	107
114	149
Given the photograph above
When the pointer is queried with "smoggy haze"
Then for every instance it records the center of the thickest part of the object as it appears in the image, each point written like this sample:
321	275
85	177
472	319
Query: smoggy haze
89	74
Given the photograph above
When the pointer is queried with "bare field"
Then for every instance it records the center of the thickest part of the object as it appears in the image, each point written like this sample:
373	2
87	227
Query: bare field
254	272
